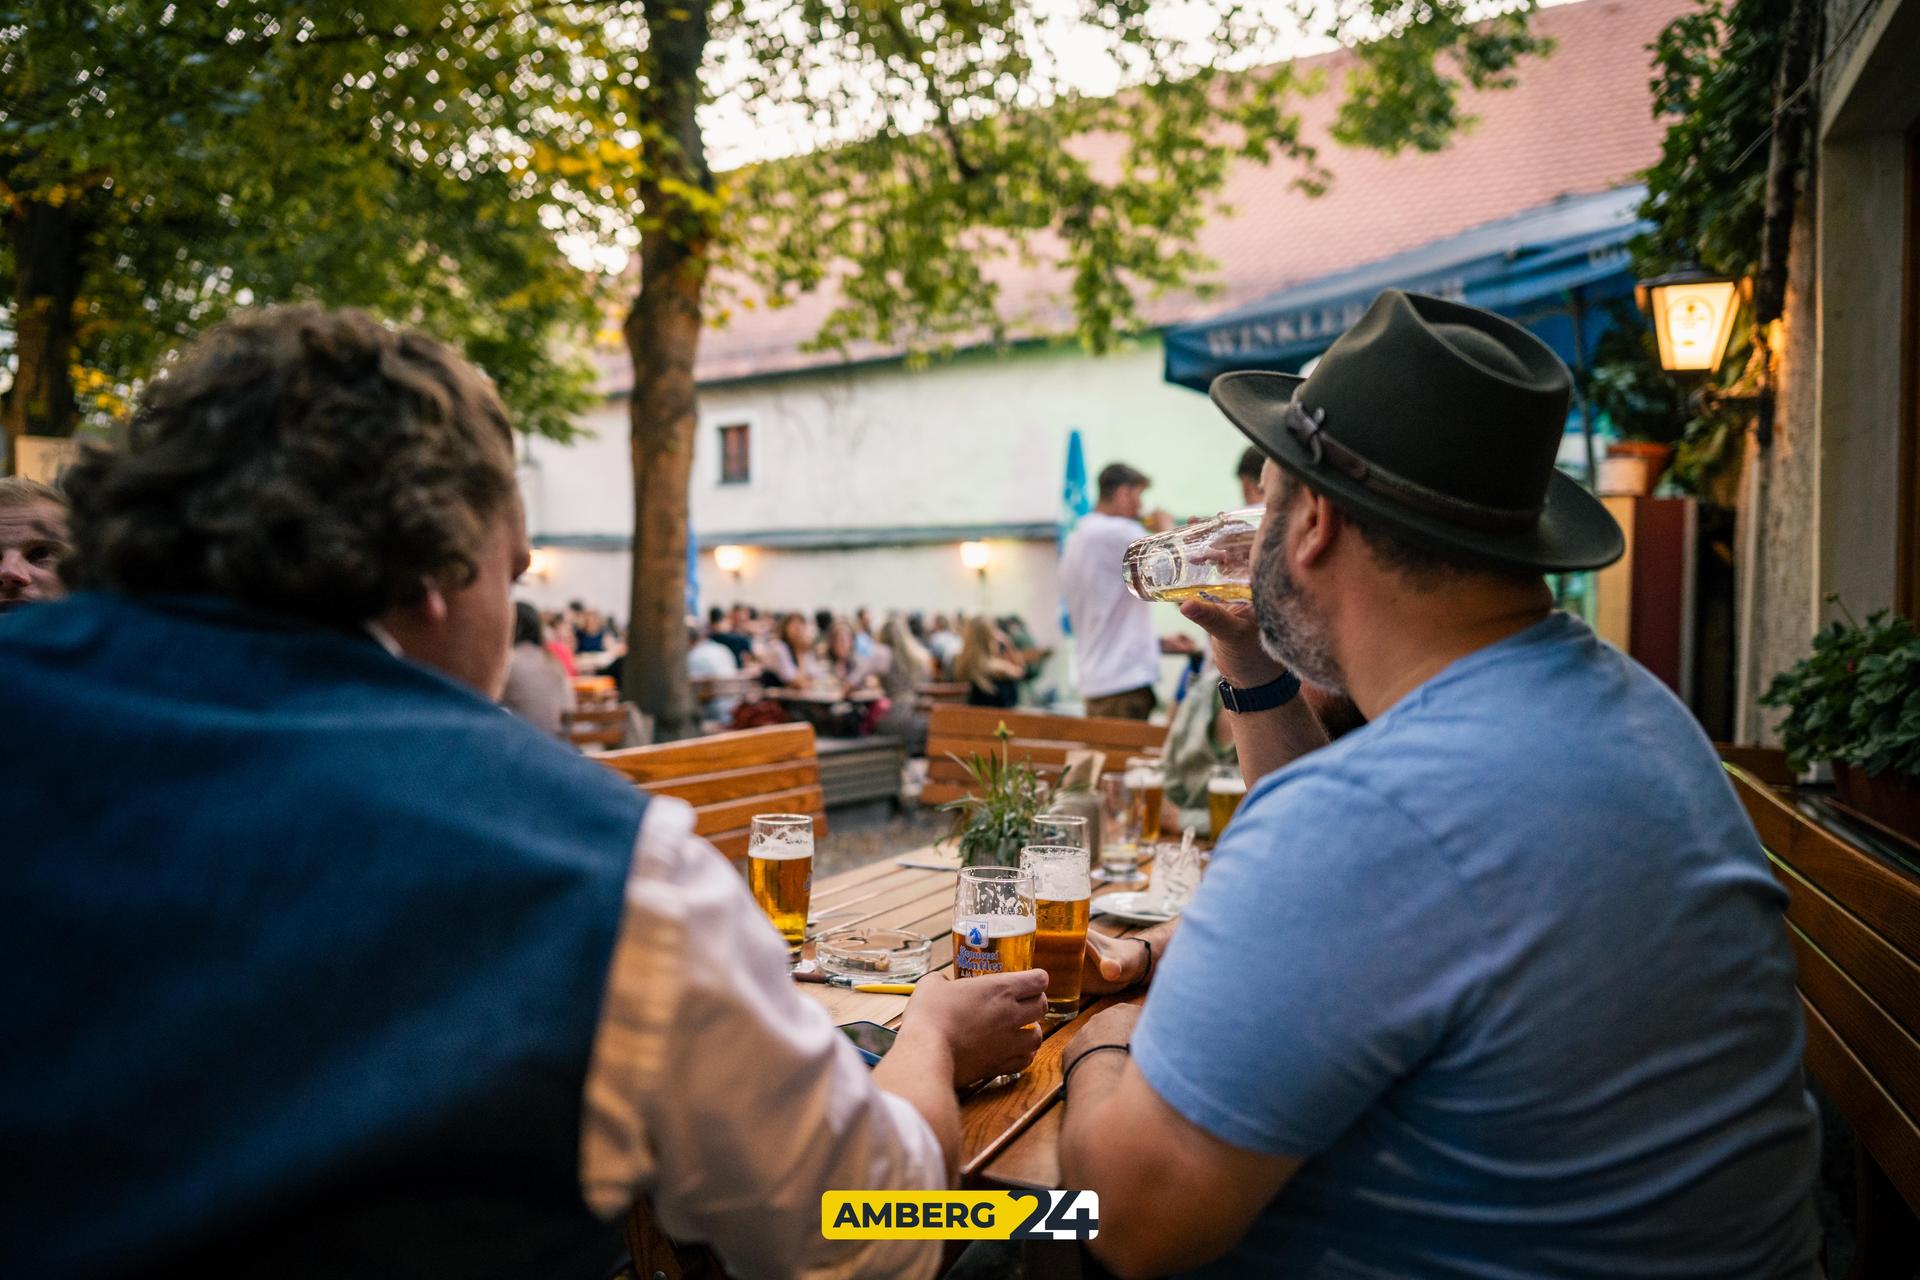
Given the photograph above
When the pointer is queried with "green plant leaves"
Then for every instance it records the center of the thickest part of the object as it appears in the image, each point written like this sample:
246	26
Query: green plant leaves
1856	698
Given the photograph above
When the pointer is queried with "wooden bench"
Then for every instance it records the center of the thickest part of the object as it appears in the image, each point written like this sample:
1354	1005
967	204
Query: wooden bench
939	692
1854	923
857	769
707	688
730	777
594	691
1039	738
598	728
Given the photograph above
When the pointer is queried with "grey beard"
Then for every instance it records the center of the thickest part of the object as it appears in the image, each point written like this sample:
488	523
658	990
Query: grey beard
1291	631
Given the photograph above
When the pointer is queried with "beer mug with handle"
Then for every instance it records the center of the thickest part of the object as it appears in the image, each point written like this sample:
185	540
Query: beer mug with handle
780	871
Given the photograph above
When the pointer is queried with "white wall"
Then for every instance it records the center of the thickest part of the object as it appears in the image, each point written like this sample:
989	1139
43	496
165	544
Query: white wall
978	439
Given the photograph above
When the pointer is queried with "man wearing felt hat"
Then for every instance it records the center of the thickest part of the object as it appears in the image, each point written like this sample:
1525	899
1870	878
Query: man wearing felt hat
1497	984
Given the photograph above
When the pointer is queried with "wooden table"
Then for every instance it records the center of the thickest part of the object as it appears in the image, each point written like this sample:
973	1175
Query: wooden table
1010	1134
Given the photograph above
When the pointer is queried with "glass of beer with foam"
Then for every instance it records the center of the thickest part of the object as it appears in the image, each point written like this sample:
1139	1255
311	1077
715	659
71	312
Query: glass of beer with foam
1147	793
1061	828
993	921
1062	893
1225	790
1212	559
780	871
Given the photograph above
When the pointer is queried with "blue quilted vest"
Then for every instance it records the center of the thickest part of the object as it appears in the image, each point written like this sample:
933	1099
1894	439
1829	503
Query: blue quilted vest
302	949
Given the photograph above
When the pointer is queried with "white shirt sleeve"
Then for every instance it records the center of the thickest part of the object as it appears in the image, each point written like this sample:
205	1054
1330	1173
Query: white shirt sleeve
724	1094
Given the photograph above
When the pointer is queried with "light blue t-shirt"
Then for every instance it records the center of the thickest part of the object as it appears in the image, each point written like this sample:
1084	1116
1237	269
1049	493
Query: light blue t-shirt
1508	969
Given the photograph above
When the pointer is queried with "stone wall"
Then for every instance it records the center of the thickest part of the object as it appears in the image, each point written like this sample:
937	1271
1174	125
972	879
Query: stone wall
1779	503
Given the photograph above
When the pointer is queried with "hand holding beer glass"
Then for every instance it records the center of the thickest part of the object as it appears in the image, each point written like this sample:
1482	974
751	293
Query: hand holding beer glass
1062	897
993	921
993	925
780	871
1213	558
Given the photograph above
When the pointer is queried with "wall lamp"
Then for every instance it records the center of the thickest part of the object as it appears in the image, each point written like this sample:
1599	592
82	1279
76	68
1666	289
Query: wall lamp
1692	311
976	556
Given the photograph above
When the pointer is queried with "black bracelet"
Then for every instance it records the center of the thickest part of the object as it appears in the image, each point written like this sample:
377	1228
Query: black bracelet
1067	1075
1146	977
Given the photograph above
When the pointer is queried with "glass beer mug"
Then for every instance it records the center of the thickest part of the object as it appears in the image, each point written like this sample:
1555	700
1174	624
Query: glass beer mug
1212	558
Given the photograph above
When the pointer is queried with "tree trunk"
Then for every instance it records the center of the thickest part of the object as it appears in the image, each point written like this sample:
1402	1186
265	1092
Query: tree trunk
663	336
46	240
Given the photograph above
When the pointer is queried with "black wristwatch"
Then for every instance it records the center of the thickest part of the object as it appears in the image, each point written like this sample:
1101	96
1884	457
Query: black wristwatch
1274	693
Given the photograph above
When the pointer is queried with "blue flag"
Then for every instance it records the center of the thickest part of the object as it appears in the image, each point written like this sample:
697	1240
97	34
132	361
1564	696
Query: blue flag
1074	503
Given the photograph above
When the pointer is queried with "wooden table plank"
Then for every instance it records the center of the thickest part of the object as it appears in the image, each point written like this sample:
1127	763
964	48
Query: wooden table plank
1030	1161
1009	1133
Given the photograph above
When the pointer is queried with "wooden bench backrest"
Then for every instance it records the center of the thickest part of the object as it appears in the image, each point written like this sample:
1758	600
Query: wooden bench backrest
1854	922
1039	738
598	727
729	777
1767	764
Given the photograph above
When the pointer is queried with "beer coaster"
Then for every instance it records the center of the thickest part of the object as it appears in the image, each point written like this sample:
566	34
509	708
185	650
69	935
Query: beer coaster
1133	908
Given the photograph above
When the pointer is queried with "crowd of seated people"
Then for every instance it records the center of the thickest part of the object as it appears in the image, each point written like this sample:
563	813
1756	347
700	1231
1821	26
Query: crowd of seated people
745	661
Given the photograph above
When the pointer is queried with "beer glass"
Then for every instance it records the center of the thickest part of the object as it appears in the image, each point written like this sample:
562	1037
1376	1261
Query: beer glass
1061	828
1147	793
1213	558
993	921
1062	893
780	871
1119	833
1225	790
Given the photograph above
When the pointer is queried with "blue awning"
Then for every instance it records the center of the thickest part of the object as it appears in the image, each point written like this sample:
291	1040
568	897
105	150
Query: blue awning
1535	267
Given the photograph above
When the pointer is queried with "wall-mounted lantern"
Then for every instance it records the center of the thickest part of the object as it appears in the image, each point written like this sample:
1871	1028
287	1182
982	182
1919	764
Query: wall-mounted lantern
976	556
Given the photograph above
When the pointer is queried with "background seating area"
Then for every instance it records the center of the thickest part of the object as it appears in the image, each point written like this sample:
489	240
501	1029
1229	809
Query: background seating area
1043	740
730	777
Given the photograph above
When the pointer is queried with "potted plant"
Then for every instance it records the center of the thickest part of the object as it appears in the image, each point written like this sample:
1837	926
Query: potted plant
1856	702
998	817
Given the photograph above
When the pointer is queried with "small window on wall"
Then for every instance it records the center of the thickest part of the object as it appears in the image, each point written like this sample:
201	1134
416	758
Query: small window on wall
736	466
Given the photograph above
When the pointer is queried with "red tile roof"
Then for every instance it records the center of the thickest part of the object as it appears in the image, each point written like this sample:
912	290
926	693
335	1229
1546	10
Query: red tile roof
1577	121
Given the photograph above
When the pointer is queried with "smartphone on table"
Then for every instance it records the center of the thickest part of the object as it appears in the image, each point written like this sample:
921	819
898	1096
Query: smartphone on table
871	1039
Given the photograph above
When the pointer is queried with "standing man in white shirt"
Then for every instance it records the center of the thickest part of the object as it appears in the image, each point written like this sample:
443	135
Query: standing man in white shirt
1119	652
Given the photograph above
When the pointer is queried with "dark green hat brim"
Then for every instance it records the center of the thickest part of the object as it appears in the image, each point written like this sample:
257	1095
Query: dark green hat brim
1575	530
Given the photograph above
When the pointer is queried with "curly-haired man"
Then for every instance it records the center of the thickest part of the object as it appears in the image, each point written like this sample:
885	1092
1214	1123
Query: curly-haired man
317	961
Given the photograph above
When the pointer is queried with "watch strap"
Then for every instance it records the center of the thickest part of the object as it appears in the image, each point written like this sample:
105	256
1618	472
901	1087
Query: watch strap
1265	697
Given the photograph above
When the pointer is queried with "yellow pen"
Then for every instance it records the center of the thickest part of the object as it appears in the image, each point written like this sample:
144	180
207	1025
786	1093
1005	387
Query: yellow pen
886	988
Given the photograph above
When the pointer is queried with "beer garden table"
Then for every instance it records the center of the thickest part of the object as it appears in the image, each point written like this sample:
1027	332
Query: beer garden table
1010	1134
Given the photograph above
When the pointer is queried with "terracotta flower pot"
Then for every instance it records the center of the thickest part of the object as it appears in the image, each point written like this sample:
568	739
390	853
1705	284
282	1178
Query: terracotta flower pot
1633	466
1890	799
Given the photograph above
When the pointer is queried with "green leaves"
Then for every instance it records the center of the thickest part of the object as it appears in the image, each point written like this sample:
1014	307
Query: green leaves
958	154
1856	698
998	816
218	156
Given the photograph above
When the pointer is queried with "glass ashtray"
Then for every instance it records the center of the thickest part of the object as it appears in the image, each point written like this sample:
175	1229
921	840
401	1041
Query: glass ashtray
874	955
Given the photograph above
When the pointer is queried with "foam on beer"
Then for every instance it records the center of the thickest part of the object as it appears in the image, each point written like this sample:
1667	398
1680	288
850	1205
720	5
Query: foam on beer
781	850
1235	786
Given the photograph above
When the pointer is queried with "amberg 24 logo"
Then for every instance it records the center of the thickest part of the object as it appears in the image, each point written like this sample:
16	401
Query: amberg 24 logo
960	1215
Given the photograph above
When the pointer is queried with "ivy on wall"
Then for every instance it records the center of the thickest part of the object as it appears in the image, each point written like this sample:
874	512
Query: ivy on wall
1713	81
